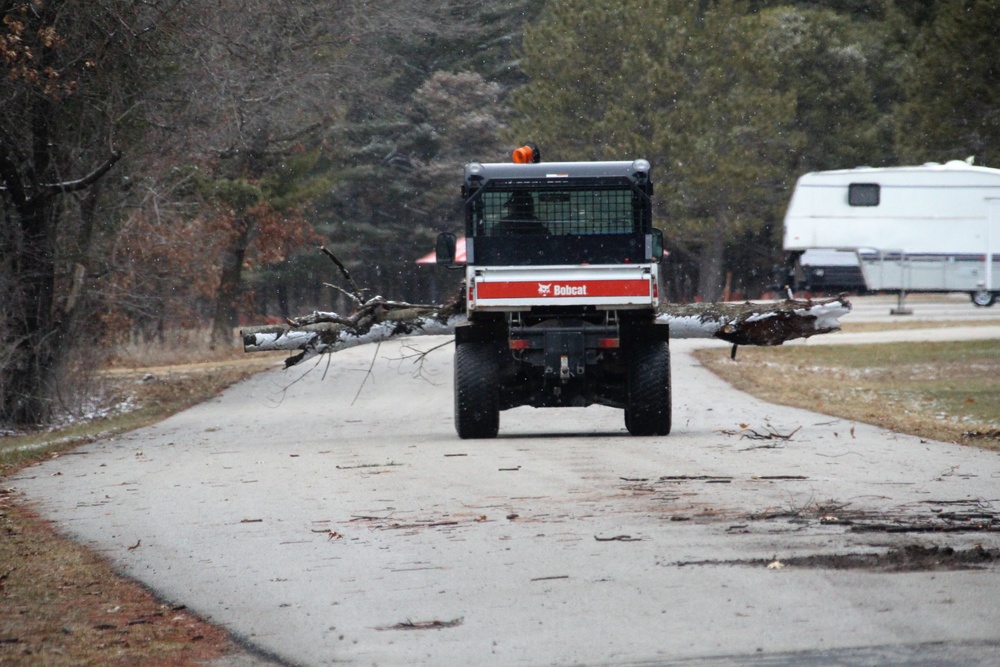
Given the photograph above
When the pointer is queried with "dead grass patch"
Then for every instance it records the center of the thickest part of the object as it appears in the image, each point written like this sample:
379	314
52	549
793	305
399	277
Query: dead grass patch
62	604
910	325
943	391
131	398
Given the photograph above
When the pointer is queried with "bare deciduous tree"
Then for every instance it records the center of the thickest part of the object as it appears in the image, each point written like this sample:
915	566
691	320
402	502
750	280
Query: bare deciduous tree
72	97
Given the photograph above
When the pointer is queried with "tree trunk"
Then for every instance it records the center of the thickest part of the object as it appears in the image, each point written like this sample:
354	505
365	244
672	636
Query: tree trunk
34	335
712	261
33	324
230	281
33	338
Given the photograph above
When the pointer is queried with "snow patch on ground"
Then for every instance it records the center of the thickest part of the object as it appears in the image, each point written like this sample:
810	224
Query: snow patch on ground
92	410
95	409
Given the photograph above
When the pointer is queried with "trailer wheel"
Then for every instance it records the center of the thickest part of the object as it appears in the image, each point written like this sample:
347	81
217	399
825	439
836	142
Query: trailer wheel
983	298
477	391
648	410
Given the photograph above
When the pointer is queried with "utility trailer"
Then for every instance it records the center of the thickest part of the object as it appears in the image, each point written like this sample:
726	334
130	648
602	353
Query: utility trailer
562	295
932	228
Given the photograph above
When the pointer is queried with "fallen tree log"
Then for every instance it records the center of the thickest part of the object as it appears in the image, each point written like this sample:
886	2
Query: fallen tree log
378	320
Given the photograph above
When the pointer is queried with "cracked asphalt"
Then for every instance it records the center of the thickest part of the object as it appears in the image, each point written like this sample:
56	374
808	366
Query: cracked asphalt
325	516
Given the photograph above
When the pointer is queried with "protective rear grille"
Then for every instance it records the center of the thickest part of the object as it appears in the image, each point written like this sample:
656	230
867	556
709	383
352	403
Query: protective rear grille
557	212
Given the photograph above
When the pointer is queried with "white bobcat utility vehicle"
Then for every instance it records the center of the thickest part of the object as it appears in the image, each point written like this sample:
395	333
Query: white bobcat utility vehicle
562	293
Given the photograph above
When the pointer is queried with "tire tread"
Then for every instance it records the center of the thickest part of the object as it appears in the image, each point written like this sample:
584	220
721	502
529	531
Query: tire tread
477	393
649	392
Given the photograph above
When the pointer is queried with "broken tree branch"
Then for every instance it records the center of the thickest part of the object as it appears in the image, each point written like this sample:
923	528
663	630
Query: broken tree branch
356	292
375	321
761	324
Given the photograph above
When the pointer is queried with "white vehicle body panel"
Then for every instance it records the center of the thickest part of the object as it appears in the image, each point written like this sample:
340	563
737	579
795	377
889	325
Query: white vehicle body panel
828	258
509	288
934	228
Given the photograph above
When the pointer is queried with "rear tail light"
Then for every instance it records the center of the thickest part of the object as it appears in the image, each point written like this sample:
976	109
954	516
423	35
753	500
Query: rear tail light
520	344
607	343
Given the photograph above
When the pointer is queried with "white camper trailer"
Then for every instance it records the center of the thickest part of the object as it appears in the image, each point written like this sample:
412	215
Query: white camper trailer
933	228
828	271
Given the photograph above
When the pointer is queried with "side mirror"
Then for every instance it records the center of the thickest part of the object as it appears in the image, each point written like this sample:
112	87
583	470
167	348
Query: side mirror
656	249
445	249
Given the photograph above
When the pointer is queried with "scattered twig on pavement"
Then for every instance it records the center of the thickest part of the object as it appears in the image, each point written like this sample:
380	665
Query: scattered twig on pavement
618	538
424	625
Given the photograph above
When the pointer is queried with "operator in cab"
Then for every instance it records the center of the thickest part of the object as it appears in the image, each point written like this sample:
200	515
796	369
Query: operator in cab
520	219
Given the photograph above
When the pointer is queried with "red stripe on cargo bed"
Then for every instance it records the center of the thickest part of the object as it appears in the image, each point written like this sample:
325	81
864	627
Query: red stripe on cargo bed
561	289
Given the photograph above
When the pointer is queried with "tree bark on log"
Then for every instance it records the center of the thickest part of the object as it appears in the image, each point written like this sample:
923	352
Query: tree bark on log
750	323
378	319
323	333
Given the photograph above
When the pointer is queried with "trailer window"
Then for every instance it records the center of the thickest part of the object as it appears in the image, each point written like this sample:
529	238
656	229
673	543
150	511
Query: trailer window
863	194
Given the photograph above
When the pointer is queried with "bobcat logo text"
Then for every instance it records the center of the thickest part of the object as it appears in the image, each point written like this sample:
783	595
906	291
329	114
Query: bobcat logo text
561	290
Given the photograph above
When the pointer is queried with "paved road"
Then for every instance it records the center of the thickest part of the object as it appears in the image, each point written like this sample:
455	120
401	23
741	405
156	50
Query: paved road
338	519
924	307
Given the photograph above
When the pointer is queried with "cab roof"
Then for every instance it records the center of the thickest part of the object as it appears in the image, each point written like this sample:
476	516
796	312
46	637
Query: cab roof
634	170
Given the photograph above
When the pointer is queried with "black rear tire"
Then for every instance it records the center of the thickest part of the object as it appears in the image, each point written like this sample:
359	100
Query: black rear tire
649	408
983	298
477	391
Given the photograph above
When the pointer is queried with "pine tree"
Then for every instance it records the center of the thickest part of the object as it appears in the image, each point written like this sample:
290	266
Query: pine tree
679	86
952	109
730	138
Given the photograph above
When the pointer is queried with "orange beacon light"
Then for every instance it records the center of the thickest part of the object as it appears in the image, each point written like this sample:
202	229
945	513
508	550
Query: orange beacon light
526	154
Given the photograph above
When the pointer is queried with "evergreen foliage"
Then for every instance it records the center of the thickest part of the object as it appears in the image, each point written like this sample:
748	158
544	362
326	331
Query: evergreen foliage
730	100
437	75
952	110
